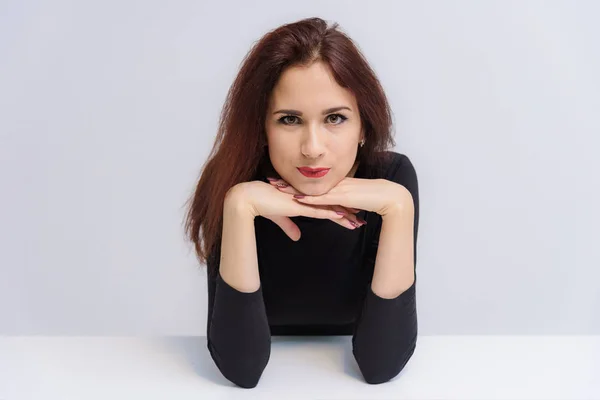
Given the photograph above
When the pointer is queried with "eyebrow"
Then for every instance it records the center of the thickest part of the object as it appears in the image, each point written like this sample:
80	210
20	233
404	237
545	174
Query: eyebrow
299	113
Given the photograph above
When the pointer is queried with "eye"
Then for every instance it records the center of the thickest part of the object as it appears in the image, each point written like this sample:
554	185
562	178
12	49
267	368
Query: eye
336	117
284	120
340	118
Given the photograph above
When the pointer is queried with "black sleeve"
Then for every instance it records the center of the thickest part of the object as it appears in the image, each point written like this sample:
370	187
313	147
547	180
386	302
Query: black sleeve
238	335
385	335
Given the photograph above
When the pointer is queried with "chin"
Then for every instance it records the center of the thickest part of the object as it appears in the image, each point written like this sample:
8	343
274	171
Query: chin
314	189
314	192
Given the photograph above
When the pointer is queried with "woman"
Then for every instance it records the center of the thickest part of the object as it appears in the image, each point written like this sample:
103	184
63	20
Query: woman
295	251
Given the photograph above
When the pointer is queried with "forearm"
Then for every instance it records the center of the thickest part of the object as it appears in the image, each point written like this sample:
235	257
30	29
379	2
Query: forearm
238	335
239	261
394	265
386	333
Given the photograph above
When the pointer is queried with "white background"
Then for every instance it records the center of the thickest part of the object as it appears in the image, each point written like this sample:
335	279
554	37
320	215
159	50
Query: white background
108	110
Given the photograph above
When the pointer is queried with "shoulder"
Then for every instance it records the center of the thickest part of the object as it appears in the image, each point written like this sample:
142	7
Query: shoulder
399	168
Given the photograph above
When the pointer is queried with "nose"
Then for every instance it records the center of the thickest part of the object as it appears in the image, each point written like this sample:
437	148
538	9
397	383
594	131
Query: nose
312	144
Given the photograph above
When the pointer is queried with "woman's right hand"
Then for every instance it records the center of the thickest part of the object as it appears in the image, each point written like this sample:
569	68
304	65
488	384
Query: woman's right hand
263	199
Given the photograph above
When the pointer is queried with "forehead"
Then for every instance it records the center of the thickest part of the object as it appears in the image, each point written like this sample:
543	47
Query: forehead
310	87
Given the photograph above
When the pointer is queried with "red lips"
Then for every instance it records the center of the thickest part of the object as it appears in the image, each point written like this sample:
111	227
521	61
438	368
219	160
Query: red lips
308	169
313	172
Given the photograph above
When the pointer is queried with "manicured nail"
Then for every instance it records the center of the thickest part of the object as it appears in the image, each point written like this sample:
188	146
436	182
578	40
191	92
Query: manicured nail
361	221
282	185
354	224
340	213
299	196
272	179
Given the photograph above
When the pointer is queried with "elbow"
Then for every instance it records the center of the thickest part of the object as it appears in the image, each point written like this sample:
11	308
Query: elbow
377	370
244	370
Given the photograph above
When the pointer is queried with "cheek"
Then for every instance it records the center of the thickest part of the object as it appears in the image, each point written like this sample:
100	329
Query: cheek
279	158
276	138
282	150
279	152
346	150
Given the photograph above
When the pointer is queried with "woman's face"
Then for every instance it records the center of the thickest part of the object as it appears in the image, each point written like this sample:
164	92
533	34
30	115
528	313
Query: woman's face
312	122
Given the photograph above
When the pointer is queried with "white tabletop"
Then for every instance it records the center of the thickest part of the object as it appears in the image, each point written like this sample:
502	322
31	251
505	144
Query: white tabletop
442	367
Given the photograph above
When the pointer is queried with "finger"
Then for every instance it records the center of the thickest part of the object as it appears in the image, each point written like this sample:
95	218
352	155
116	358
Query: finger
285	187
278	183
318	212
348	217
350	220
324	199
350	209
287	226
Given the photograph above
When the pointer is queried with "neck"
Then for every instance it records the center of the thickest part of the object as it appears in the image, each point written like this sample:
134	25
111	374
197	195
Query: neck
353	170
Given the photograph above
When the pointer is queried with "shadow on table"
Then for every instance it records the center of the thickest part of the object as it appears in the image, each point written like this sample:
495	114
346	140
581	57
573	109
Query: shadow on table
350	365
193	349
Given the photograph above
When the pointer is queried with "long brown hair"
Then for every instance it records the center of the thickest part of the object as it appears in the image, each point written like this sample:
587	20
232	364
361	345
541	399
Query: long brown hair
240	142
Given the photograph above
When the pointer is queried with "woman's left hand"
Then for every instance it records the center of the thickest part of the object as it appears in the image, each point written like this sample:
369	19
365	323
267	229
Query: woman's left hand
377	195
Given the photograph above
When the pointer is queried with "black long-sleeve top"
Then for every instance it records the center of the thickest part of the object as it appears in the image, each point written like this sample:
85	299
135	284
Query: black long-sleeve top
319	285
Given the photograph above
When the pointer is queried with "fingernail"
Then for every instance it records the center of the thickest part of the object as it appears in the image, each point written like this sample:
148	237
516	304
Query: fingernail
361	221
340	213
282	185
299	196
272	179
354	224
